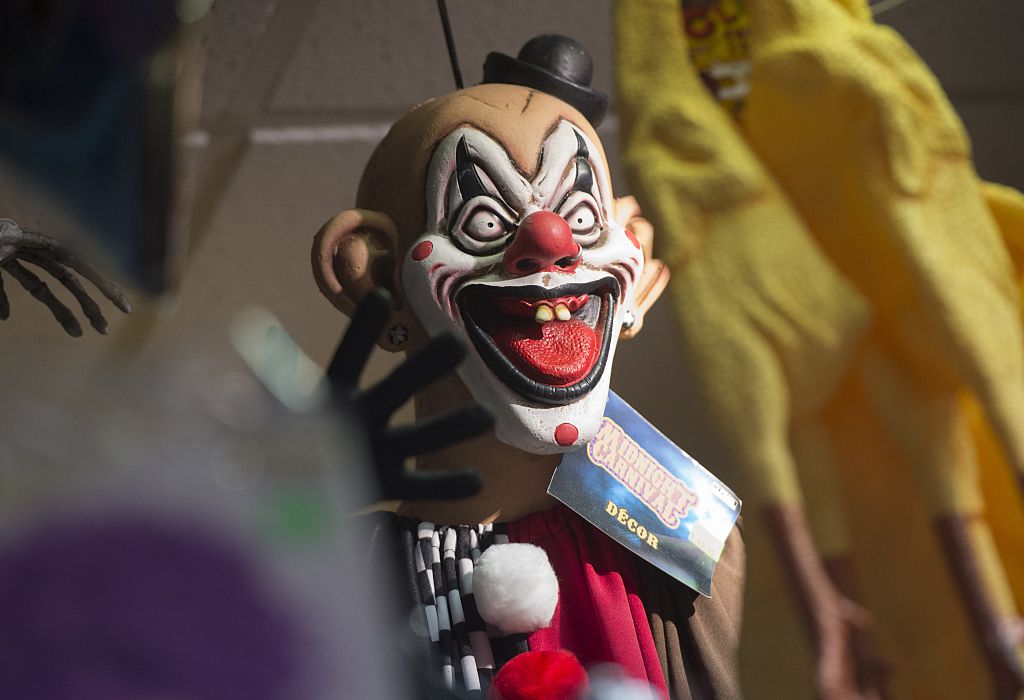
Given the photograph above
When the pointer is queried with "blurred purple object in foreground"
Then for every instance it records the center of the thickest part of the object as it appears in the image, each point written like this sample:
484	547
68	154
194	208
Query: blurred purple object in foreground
137	609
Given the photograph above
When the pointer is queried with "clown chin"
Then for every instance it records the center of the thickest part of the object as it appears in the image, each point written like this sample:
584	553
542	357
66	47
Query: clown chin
536	427
543	429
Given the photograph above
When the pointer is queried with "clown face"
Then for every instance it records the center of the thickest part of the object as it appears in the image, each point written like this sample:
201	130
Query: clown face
533	272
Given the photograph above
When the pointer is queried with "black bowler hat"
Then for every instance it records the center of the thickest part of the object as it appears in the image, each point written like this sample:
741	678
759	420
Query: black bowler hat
554	64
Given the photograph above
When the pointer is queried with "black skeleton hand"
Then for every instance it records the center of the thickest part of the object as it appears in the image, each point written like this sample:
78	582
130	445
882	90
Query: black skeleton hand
18	246
392	445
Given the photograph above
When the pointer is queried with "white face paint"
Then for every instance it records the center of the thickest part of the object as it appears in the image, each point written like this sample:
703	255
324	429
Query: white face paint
542	330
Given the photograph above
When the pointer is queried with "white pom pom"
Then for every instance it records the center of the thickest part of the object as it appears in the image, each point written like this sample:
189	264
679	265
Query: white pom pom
515	587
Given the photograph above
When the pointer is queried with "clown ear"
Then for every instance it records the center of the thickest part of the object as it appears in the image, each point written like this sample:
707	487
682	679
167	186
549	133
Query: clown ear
655	275
353	254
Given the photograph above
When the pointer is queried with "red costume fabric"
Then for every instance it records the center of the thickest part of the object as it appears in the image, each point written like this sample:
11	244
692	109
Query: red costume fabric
600	616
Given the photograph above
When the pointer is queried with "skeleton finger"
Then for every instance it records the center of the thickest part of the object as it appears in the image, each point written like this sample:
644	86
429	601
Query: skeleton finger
366	326
89	306
26	241
10	235
110	290
37	288
433	362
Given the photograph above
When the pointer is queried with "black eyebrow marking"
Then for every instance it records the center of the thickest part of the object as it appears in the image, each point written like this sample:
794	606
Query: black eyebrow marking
465	173
584	175
581	146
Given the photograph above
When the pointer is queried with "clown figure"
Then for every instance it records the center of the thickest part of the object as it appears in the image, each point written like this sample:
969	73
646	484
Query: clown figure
489	213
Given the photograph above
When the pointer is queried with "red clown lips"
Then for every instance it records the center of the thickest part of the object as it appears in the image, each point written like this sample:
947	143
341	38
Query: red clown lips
549	345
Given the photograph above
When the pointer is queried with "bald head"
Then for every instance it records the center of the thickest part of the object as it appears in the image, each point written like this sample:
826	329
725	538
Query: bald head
517	117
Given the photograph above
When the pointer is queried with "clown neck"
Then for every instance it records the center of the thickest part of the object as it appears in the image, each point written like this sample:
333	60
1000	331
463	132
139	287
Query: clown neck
515	482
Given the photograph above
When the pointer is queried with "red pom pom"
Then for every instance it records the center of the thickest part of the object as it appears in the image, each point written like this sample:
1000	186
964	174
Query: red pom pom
540	675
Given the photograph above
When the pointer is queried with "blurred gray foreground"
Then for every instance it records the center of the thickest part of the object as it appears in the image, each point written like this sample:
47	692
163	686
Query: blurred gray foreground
200	453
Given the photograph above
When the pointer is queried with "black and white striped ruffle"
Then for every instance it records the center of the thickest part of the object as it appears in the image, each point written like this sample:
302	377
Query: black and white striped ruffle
465	650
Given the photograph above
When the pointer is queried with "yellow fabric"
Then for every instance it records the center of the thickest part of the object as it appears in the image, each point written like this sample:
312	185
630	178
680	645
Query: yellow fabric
859	134
861	137
774	347
1007	207
1004	508
1004	511
921	627
849	167
768	326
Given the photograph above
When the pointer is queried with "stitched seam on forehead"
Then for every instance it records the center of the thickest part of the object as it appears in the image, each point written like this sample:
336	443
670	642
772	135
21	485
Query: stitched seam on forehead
529	99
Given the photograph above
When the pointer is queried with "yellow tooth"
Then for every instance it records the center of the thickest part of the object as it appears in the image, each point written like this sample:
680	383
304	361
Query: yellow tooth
562	312
544	314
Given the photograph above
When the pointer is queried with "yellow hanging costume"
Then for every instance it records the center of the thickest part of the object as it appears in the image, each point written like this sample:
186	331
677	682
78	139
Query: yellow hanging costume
1003	506
831	327
768	327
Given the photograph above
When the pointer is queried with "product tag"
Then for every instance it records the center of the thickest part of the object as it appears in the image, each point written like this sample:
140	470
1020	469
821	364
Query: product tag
648	495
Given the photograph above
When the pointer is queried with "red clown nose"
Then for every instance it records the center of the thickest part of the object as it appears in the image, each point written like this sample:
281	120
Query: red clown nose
543	243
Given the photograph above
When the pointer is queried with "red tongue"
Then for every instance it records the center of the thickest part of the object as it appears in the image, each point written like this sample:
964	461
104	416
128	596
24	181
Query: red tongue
557	353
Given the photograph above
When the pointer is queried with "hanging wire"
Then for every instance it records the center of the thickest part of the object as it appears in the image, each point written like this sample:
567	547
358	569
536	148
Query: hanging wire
442	8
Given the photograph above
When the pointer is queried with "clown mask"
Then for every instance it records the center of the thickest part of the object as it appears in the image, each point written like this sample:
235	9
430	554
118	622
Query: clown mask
489	213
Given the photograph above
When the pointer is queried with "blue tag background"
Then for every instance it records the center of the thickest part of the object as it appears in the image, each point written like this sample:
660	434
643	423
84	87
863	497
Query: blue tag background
587	488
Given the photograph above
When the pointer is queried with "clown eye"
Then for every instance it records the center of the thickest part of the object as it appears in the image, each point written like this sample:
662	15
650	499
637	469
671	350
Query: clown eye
581	219
580	212
484	225
482	228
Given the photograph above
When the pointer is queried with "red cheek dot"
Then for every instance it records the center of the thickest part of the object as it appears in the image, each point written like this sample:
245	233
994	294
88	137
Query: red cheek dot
566	434
422	250
632	238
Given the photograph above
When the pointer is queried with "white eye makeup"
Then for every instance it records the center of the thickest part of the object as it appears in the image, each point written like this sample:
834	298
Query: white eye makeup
484	225
581	213
482	228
